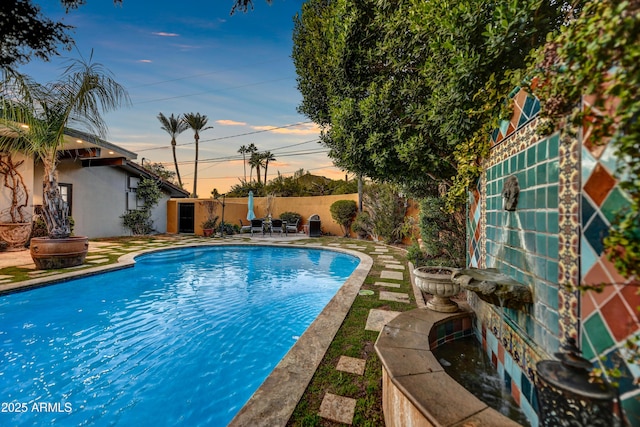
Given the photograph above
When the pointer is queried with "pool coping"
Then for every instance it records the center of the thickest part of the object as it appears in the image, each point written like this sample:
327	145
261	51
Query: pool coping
272	404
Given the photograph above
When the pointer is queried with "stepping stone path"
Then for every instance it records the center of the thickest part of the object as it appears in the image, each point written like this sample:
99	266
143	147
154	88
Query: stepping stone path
340	408
393	275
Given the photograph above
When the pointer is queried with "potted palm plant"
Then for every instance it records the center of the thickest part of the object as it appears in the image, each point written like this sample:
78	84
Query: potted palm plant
34	118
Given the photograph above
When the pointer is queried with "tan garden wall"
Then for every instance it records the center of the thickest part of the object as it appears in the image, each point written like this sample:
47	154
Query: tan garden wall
236	209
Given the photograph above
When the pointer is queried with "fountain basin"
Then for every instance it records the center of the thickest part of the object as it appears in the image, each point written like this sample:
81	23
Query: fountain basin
494	287
416	389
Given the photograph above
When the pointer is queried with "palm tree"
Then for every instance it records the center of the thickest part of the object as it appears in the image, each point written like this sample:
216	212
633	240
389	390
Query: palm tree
244	150
255	161
35	117
251	149
197	122
174	126
267	157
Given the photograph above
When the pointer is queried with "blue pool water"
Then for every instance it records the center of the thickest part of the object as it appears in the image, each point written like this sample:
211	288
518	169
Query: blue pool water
183	338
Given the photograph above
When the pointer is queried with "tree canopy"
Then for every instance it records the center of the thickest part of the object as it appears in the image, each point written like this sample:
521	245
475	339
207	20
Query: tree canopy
399	85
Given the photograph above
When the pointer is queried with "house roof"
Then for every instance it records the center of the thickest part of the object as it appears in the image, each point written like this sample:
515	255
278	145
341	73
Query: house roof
94	151
79	144
172	189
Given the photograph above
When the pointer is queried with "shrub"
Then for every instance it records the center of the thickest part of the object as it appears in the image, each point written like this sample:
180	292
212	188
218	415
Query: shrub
387	211
443	234
290	217
343	212
139	221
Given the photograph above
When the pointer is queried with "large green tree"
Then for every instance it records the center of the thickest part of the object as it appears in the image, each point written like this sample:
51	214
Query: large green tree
398	85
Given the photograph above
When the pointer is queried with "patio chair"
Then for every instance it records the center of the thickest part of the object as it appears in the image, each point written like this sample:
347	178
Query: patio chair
276	226
292	227
257	226
244	228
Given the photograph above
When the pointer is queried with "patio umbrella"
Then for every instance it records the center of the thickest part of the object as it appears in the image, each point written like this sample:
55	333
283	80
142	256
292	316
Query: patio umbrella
250	214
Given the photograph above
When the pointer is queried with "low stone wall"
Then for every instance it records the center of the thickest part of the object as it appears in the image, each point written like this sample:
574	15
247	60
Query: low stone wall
416	390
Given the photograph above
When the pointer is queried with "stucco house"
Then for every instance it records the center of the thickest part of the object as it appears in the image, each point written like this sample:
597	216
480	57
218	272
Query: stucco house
98	180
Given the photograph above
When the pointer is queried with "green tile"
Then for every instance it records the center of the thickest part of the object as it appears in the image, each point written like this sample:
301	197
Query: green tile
531	177
541	198
615	202
531	156
552	272
552	294
540	267
553	322
552	196
554	142
530	241
542	151
552	222
552	246
541	174
521	160
587	349
553	171
513	165
541	244
530	220
541	221
598	334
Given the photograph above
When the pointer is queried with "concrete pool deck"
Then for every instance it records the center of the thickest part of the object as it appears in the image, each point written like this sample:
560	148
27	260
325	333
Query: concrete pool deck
272	404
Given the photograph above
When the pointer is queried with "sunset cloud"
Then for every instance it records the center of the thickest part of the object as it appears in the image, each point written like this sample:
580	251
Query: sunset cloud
146	61
230	123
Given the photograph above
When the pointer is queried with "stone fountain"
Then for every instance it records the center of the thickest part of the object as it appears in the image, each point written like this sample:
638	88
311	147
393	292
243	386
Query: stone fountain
494	287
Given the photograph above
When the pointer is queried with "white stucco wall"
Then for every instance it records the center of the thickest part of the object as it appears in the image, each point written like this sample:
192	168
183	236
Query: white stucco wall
100	198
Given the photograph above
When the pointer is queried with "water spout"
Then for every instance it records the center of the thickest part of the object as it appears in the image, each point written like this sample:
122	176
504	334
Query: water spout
494	287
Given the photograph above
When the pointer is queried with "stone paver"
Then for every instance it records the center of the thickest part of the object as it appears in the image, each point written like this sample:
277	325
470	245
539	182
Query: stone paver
386	257
5	276
378	318
387	284
393	275
351	365
394	296
394	266
338	408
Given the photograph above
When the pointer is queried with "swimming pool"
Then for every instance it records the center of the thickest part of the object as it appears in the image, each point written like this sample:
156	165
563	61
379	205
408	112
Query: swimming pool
183	338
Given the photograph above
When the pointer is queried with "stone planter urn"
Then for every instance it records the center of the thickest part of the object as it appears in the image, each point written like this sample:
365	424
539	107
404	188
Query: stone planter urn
16	234
50	253
436	281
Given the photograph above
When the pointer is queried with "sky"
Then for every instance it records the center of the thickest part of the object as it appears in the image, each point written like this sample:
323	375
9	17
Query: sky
192	56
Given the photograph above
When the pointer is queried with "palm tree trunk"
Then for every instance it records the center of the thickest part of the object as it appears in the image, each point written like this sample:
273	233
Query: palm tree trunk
195	171
54	208
266	165
175	162
244	164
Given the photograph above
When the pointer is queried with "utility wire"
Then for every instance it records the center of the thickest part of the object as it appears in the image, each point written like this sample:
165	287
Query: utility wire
226	137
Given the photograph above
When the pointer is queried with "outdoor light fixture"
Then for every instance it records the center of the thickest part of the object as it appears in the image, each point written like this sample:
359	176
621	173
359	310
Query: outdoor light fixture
568	396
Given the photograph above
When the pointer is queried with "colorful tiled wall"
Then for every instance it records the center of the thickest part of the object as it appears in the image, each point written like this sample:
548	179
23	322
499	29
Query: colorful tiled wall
570	193
609	318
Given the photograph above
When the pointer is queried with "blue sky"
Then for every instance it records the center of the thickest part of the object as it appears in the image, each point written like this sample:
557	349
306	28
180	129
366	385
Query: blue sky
192	56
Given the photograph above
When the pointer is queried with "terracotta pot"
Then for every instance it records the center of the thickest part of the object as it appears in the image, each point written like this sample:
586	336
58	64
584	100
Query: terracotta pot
16	234
208	232
59	253
437	282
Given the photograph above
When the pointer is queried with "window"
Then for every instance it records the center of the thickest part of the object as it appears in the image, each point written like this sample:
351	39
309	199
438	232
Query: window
66	191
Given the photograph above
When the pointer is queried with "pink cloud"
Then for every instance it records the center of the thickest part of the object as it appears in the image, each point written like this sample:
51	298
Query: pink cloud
304	129
230	123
